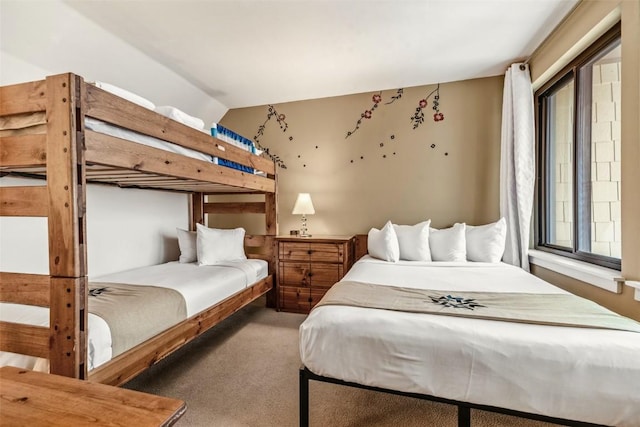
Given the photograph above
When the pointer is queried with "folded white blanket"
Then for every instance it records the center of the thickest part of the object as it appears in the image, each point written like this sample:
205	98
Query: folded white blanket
180	116
129	96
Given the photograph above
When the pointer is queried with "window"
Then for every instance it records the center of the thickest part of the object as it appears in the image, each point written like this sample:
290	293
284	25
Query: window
578	129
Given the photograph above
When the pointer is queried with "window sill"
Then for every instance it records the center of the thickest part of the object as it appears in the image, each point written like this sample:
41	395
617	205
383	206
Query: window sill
605	278
635	285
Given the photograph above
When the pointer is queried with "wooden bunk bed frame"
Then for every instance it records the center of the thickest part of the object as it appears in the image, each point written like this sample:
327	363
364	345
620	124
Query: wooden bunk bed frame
69	157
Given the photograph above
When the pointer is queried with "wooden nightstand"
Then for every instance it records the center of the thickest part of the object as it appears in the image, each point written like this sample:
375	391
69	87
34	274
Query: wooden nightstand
308	267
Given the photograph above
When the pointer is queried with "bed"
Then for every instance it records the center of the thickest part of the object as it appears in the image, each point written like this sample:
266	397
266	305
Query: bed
200	287
71	150
567	375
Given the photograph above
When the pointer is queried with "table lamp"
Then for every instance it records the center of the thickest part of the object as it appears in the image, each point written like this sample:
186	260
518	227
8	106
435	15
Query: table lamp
304	207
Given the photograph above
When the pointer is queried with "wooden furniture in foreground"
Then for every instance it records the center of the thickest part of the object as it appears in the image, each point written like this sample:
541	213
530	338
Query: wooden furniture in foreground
39	399
308	267
69	156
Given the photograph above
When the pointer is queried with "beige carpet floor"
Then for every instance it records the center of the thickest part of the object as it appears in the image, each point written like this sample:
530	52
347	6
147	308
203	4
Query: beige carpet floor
244	372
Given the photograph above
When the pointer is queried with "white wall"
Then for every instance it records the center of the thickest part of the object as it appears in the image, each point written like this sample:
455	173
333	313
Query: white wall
126	228
39	38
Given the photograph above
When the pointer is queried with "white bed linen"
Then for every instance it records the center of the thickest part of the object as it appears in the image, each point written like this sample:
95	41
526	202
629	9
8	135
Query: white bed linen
201	287
109	129
98	345
575	373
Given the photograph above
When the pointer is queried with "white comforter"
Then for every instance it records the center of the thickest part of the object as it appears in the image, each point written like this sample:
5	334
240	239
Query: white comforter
575	373
200	286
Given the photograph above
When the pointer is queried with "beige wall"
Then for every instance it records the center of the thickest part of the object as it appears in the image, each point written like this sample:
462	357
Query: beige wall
586	23
631	142
419	182
416	183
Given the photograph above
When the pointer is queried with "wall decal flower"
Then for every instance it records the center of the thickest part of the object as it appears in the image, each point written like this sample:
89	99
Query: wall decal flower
395	97
280	118
376	98
418	117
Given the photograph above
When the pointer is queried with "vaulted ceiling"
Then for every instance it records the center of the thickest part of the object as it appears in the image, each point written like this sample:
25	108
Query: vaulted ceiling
246	53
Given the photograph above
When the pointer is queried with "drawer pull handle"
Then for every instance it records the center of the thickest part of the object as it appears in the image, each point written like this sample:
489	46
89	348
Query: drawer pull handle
309	251
310	274
310	299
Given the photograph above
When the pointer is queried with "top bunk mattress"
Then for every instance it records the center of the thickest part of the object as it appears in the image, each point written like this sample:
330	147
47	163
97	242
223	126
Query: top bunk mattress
565	372
122	133
36	122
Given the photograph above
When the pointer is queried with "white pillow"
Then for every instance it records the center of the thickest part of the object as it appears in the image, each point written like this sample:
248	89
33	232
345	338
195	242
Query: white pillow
413	241
187	243
180	116
448	244
485	243
129	96
383	244
217	245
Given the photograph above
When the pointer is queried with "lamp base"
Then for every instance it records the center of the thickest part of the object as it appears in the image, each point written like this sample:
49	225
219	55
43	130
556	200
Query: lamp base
303	230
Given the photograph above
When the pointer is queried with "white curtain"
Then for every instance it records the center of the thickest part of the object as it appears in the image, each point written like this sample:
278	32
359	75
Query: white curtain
517	163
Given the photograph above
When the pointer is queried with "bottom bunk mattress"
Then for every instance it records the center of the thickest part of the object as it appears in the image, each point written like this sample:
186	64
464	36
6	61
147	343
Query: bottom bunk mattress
190	289
575	373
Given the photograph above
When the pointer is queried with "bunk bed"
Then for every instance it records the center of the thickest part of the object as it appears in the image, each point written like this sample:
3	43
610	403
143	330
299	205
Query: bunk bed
69	155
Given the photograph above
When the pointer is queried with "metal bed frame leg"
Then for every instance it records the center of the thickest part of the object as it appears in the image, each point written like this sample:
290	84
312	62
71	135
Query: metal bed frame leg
464	416
304	398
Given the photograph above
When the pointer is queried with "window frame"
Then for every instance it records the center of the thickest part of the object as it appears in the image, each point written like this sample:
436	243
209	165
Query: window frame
581	190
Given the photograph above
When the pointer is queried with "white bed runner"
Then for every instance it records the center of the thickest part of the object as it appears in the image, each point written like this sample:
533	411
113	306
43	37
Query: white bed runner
540	309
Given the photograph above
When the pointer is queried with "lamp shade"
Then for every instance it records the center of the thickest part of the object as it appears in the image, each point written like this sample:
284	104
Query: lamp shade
303	205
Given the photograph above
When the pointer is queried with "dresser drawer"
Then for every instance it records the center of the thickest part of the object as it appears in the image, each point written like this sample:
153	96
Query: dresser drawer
290	251
312	252
300	300
325	275
294	273
326	252
295	299
309	274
